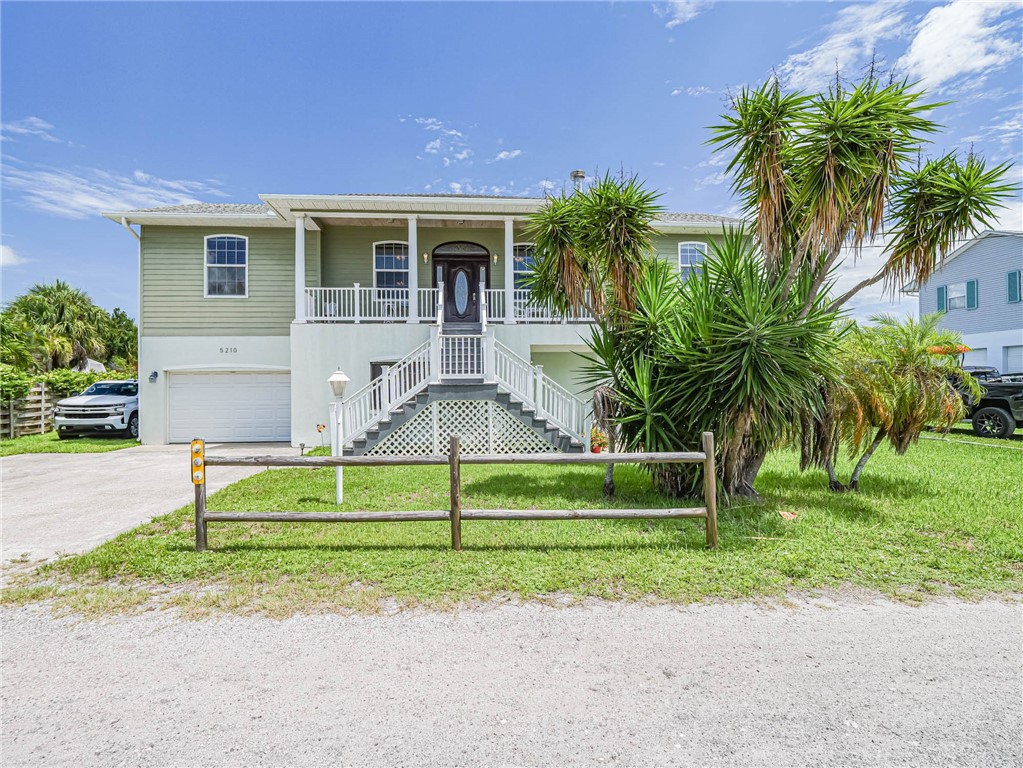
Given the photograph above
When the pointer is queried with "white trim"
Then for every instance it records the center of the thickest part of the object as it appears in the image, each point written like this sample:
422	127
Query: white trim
374	257
514	246
702	247
206	265
226	368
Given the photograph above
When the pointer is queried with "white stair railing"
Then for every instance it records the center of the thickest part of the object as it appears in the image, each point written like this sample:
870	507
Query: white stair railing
392	389
533	387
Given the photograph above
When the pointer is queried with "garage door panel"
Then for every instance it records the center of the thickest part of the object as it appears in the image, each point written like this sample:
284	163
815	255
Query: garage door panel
1014	359
229	406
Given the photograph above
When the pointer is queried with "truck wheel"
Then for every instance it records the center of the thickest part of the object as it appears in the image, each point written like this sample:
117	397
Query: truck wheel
993	422
133	427
65	435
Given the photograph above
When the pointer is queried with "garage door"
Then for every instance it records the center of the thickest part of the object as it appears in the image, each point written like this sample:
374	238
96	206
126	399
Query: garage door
229	407
1013	360
975	357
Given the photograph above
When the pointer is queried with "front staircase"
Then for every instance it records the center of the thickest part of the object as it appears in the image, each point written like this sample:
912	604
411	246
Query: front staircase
461	378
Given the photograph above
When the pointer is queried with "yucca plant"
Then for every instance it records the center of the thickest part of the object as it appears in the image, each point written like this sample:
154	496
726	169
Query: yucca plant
897	378
723	351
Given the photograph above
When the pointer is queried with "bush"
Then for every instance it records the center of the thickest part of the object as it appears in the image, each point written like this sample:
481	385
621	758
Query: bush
64	382
14	383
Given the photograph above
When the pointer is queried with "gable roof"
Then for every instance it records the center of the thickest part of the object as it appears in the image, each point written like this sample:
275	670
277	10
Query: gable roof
914	287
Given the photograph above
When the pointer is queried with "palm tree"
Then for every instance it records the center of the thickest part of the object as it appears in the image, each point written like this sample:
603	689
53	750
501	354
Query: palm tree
820	174
590	251
16	343
65	322
897	379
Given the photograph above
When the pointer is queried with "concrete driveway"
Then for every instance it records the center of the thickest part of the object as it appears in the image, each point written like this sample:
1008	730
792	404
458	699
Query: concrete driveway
72	502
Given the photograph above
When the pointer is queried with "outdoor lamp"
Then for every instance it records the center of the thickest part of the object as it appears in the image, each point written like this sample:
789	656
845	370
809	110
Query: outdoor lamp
152	377
338	381
426	257
495	258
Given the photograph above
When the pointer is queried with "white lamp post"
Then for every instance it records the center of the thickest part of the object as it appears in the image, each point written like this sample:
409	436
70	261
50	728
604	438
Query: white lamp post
338	381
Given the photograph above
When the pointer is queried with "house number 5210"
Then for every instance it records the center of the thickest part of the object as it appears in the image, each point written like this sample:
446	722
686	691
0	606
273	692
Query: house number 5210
228	350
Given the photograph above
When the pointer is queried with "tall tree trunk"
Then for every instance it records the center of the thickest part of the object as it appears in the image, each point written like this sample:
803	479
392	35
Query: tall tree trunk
833	482
854	481
742	484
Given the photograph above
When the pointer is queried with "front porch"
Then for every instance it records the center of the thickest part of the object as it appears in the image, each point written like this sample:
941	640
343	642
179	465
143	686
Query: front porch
359	304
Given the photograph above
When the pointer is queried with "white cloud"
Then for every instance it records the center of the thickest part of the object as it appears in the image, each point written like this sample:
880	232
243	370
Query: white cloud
506	154
851	40
9	258
1005	131
449	144
962	38
699	90
30	126
678	12
84	192
677	92
433	147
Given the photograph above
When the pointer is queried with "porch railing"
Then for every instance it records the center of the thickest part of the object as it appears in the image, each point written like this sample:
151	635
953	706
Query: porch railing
359	304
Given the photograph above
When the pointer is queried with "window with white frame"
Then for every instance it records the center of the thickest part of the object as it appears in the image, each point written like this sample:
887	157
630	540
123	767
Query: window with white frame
390	267
522	263
690	257
957	296
227	266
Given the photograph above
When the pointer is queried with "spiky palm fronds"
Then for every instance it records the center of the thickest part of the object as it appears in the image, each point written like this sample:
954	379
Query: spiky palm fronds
64	321
590	247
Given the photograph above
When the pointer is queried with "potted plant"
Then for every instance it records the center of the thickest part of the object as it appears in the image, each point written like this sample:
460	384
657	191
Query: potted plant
598	440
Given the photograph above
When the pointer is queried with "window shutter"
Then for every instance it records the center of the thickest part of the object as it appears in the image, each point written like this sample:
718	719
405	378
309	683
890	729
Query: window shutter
1014	287
942	299
971	294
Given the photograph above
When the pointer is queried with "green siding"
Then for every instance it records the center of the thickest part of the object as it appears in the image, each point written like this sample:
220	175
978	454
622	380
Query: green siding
348	250
666	246
173	281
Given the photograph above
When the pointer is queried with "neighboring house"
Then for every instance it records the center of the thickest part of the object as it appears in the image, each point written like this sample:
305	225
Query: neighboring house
245	311
977	288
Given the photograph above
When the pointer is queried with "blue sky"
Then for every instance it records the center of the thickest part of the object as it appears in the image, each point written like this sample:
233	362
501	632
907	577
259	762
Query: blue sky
109	106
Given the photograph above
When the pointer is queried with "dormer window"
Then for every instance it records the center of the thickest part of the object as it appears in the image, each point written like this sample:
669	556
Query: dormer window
690	257
227	266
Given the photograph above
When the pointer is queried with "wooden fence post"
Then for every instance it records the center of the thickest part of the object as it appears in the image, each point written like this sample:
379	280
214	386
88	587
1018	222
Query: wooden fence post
710	490
454	449
197	465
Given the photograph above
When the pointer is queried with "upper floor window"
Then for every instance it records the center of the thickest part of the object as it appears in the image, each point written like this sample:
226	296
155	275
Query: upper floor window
1014	287
390	265
690	257
957	296
522	263
227	266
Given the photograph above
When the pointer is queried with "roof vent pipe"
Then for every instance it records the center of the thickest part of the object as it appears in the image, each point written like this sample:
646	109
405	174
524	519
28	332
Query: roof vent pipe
578	177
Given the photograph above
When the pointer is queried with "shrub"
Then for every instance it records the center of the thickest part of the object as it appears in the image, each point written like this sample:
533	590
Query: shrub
14	383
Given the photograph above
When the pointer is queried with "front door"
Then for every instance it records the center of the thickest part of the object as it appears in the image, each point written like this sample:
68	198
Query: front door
461	276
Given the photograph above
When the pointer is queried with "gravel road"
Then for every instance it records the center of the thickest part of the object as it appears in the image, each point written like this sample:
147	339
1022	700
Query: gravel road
852	682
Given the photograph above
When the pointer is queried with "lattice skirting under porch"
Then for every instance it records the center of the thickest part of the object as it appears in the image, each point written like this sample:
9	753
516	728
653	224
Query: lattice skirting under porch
483	426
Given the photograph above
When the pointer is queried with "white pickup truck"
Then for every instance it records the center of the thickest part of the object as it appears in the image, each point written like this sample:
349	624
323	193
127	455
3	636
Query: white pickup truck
107	407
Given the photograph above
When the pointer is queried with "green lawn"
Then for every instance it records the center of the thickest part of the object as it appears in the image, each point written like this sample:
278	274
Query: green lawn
50	443
946	518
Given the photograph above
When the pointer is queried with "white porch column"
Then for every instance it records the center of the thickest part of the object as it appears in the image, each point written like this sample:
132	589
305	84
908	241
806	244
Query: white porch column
300	268
509	270
413	270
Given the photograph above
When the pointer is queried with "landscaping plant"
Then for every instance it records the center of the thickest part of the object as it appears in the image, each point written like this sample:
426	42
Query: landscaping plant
896	379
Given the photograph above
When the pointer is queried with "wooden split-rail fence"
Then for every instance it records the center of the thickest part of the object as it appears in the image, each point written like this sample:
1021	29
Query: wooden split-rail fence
455	514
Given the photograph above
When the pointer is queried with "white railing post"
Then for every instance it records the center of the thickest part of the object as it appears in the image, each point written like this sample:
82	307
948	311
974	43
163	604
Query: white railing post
440	304
387	390
357	310
509	270
484	309
413	270
435	354
489	357
538	389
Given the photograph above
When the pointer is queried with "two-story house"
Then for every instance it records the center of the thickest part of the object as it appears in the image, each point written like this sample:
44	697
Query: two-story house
977	287
246	311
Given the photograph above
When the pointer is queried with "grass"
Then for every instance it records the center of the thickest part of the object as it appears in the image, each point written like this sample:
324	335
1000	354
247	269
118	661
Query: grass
50	443
946	519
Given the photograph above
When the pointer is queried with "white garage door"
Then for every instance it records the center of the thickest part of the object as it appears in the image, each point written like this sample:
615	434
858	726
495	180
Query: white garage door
229	407
975	357
1013	360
